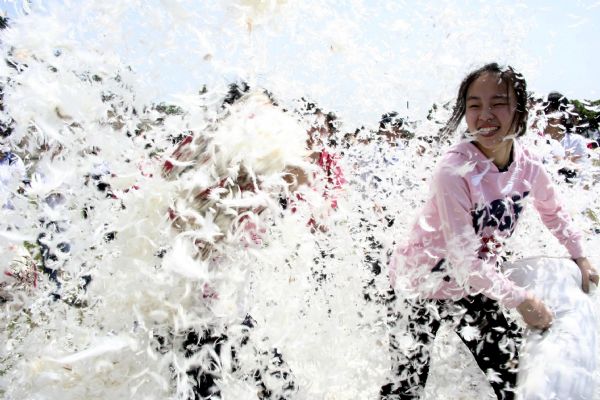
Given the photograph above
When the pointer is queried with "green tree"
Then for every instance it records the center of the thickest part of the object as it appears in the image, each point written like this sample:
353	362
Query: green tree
589	112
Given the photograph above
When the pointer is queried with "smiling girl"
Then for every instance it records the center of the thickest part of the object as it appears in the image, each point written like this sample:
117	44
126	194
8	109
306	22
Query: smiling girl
449	268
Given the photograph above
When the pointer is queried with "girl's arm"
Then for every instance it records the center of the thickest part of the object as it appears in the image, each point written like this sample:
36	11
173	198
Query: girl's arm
463	244
553	214
559	222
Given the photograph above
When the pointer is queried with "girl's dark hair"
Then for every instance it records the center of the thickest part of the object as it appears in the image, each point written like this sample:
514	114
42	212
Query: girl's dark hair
514	80
557	103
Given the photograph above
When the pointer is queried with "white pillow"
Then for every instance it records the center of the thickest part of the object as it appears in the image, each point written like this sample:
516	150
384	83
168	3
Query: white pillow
560	362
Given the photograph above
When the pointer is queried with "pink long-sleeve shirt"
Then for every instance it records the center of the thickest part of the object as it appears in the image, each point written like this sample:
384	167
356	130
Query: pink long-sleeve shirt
453	248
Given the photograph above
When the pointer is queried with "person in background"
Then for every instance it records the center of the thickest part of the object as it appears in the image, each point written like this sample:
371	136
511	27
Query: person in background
214	343
323	143
567	146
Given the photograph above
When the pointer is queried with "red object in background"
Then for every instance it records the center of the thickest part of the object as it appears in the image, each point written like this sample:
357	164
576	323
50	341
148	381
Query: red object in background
27	277
168	165
333	173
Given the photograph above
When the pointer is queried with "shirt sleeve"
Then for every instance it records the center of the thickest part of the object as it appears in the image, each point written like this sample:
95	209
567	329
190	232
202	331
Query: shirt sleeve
550	207
452	197
580	147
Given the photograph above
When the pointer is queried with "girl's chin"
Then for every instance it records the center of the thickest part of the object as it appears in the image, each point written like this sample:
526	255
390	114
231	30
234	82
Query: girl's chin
492	143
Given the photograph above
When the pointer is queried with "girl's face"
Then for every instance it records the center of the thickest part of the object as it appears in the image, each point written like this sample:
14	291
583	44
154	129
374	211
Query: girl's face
490	112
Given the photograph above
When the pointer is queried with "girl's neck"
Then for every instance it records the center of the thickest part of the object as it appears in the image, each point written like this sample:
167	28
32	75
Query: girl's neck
500	156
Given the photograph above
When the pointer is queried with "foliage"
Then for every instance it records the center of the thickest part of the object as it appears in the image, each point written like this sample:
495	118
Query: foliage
169	109
588	111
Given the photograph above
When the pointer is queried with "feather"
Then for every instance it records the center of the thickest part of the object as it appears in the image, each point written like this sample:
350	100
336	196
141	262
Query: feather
102	346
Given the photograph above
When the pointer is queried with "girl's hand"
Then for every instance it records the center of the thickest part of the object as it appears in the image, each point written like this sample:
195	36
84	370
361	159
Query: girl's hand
588	273
535	313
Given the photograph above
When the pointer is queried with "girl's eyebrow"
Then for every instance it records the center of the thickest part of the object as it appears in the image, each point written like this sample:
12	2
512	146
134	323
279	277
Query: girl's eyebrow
496	96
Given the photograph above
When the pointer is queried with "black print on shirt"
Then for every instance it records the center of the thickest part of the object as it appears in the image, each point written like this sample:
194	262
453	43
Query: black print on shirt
501	214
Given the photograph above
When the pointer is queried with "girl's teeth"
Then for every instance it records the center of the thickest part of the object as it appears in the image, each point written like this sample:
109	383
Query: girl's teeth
486	131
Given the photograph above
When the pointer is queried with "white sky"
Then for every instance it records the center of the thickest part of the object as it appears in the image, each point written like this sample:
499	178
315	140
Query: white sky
358	57
565	39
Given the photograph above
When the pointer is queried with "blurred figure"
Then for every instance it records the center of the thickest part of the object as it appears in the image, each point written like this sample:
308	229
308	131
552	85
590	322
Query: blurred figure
566	145
241	152
395	130
322	143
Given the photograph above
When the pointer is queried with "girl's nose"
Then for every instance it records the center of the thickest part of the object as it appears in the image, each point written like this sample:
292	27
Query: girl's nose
486	113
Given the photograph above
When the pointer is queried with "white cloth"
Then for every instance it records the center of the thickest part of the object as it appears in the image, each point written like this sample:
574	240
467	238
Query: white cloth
559	363
574	145
550	149
555	148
